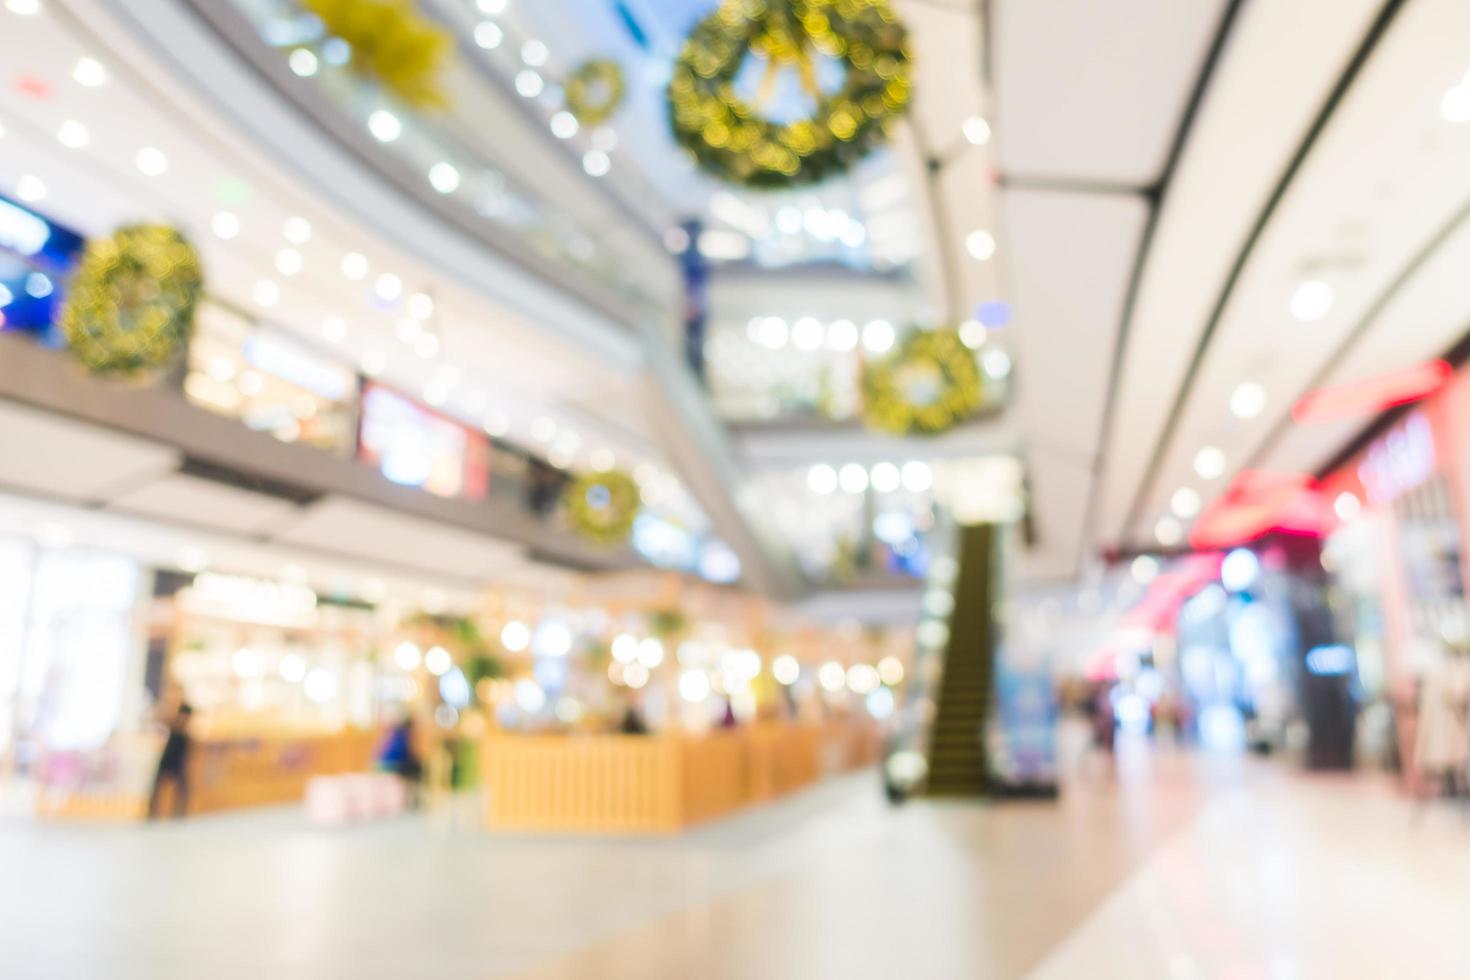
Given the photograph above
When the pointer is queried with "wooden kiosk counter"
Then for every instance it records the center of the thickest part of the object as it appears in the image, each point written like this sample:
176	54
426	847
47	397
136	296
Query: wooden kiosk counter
659	783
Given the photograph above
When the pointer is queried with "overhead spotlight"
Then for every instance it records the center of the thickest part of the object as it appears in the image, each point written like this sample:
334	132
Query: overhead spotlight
303	62
297	230
355	266
853	478
980	244
842	335
878	337
1248	400
73	135
977	131
821	479
806	333
596	163
564	125
488	34
1311	300
384	126
1168	532
1185	503
529	83
1209	463
444	177
89	72
151	162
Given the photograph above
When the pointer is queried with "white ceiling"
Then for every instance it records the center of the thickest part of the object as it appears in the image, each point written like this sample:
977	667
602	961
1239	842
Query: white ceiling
45	454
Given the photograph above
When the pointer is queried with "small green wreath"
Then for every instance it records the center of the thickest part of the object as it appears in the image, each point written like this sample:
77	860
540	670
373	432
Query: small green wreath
130	307
594	92
392	42
928	386
602	506
731	136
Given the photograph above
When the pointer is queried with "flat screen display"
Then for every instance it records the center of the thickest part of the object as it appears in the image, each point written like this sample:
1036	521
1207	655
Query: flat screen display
416	447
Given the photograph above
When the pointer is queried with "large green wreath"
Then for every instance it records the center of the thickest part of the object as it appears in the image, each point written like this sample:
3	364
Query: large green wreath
927	386
130	307
603	506
393	42
730	137
594	92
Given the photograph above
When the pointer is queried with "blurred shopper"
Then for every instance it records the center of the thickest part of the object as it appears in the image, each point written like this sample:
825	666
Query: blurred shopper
173	764
400	756
728	719
633	723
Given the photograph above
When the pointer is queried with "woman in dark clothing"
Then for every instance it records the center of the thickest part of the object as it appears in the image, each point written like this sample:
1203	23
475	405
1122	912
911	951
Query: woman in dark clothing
173	764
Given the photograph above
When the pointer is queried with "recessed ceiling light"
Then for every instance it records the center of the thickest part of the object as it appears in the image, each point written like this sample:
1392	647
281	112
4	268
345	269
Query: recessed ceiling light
1311	300
444	177
225	224
30	188
972	334
420	306
773	332
1248	400
917	477
1168	532
491	7
807	333
534	53
980	244
355	266
1185	503
853	478
151	161
388	287
288	262
842	335
23	7
89	72
564	125
1209	463
73	134
878	337
488	34
885	477
529	83
1455	106
303	62
266	293
496	424
996	364
596	163
297	230
384	126
821	479
977	131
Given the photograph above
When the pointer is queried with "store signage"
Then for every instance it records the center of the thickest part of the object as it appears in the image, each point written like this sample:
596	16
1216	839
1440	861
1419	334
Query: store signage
21	231
291	363
246	599
1399	462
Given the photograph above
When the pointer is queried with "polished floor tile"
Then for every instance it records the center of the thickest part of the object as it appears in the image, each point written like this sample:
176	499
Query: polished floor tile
1172	866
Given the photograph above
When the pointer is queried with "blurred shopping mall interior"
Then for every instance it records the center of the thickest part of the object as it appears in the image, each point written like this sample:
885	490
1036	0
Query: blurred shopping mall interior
734	489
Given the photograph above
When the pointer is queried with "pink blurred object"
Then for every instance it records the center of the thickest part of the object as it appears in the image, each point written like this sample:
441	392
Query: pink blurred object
333	801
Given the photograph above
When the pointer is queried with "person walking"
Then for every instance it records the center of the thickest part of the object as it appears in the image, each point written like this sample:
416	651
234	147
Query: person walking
173	764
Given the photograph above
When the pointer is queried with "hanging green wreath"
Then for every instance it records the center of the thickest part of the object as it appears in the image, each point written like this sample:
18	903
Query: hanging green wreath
927	386
736	139
393	43
594	92
130	306
603	506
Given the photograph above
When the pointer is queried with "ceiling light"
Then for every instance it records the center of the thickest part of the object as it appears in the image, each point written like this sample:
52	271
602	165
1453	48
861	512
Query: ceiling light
488	34
1311	300
288	262
334	329
1347	507
496	424
773	332
564	125
885	477
388	287
1209	463
842	335
1455	106
23	7
529	84
972	334
491	7
420	306
806	333
354	266
1168	532
878	336
73	134
1185	503
596	163
917	477
192	559
303	62
977	131
1248	400
444	177
1144	568
534	53
30	188
89	72
853	478
384	126
151	161
266	293
980	244
821	479
297	230
997	364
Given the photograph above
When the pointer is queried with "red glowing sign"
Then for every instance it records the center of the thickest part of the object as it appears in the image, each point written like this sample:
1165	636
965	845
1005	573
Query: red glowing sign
1259	503
1369	396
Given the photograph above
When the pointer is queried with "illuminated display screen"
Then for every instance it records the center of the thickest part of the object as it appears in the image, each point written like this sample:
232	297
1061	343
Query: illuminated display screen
36	258
415	447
